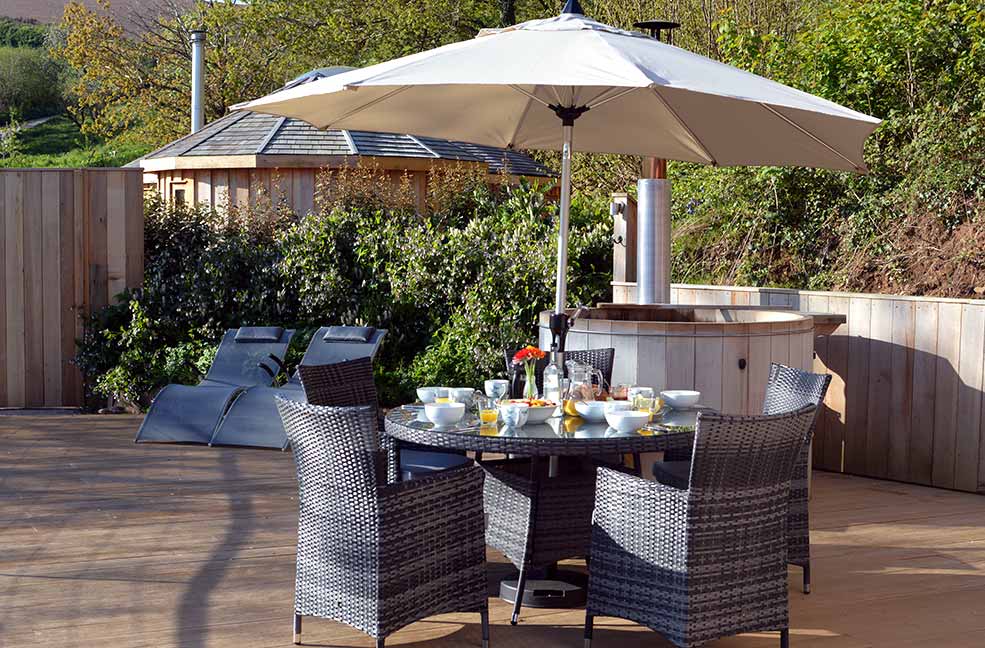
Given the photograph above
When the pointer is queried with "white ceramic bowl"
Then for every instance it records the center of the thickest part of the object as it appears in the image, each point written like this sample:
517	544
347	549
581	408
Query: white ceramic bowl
593	411
627	421
618	406
427	394
444	413
680	398
462	395
540	414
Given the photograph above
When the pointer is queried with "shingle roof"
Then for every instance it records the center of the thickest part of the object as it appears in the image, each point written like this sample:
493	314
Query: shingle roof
247	133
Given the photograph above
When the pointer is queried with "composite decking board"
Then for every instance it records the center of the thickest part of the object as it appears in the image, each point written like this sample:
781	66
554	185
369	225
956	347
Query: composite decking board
212	565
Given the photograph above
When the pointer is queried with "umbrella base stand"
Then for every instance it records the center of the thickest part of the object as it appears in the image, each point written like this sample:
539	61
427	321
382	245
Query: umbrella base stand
564	589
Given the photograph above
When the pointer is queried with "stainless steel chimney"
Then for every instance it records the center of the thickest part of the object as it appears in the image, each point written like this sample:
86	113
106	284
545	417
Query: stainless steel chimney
653	241
198	79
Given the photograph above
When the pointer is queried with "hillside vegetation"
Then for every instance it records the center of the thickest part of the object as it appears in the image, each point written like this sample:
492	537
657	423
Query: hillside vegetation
913	225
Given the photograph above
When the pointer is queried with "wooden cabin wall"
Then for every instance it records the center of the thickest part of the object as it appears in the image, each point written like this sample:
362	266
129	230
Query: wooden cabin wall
296	188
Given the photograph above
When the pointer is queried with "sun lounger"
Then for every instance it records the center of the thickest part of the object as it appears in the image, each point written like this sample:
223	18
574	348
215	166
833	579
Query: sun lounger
247	357
253	419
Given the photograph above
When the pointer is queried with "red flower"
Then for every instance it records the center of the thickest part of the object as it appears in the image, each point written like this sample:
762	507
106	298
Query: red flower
528	353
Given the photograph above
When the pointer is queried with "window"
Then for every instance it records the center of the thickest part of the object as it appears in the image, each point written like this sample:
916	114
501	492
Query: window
178	196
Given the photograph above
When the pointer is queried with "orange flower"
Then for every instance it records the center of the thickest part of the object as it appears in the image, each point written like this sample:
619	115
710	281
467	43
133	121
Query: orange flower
528	353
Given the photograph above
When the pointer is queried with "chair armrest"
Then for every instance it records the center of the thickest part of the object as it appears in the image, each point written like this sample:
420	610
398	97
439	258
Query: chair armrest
443	508
639	516
281	367
270	372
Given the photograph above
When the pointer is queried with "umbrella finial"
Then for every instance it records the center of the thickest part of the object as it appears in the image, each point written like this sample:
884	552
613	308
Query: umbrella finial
573	7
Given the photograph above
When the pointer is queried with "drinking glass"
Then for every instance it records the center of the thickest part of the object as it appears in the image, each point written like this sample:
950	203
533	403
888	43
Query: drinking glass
644	404
486	408
621	391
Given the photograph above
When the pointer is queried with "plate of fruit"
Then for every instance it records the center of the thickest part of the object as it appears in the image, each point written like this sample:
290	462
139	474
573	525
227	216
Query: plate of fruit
538	409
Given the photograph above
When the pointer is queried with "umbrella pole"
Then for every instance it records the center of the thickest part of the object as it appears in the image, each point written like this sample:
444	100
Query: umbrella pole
561	291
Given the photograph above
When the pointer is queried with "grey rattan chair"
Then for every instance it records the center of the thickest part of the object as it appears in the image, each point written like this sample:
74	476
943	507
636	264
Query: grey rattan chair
373	555
601	359
787	390
707	562
350	383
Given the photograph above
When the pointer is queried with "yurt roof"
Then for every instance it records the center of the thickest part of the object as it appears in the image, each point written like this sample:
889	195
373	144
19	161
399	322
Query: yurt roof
255	134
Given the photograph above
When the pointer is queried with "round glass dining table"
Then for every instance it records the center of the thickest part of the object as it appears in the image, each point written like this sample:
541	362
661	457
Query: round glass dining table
557	440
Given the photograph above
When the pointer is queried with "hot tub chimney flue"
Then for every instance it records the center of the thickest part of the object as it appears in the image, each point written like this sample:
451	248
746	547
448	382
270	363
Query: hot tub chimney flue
653	211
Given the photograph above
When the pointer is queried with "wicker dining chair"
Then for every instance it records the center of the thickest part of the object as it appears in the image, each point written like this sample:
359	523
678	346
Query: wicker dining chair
373	555
350	383
707	562
600	359
786	390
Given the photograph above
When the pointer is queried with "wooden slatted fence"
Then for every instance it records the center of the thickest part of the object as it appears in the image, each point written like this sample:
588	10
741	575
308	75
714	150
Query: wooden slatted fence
71	240
908	375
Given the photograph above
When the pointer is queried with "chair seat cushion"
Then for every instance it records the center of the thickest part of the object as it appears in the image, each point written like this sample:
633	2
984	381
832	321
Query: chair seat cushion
673	473
349	334
422	462
259	334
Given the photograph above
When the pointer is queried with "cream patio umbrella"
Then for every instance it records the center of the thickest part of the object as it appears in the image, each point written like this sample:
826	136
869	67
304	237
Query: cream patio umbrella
526	86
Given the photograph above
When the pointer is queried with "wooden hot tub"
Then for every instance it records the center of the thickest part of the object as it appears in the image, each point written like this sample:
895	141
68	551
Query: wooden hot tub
722	351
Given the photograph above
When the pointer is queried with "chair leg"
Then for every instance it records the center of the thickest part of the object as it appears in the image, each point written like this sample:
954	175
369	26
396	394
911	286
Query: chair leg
297	629
521	583
380	642
785	638
589	626
807	578
484	616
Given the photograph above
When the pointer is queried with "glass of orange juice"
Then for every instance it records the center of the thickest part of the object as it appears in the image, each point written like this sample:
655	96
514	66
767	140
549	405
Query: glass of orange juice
486	408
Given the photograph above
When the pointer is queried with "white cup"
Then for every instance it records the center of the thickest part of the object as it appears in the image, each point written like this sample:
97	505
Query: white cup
497	388
514	415
462	395
427	394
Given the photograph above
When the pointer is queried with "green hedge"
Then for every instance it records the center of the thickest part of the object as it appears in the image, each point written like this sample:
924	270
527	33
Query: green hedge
453	286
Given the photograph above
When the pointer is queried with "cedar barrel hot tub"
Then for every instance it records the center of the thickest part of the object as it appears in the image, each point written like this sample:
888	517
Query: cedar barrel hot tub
722	351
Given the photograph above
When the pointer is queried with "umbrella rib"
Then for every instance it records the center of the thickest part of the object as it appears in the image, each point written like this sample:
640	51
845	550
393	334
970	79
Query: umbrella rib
811	135
694	137
612	98
523	116
531	95
366	106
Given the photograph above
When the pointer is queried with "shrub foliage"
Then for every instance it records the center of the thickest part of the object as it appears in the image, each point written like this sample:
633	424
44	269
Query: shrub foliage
453	286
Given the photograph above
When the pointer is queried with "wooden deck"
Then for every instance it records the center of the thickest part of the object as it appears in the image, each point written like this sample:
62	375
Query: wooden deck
104	543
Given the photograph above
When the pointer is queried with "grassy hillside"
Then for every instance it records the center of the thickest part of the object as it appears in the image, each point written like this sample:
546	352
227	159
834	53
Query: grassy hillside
58	143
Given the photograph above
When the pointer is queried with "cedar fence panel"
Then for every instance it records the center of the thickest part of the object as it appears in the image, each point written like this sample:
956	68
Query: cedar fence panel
71	240
908	374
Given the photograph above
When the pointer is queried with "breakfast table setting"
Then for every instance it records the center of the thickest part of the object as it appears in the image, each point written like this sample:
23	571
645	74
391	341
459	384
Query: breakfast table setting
539	451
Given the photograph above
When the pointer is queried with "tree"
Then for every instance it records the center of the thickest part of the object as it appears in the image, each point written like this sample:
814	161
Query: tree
139	81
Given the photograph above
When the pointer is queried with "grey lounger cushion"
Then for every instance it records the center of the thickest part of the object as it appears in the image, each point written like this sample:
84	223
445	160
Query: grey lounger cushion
349	334
259	334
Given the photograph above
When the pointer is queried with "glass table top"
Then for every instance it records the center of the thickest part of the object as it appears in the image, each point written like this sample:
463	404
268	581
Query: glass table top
558	427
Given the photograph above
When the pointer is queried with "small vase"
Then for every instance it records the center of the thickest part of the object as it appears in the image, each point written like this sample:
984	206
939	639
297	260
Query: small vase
530	386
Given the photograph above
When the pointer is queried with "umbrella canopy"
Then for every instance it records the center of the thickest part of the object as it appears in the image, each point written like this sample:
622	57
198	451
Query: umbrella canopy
628	92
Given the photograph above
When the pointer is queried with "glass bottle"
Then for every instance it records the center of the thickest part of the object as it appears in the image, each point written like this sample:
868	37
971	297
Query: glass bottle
552	380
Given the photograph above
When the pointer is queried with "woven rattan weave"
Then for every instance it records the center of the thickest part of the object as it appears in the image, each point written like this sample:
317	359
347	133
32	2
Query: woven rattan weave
373	555
707	562
786	390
